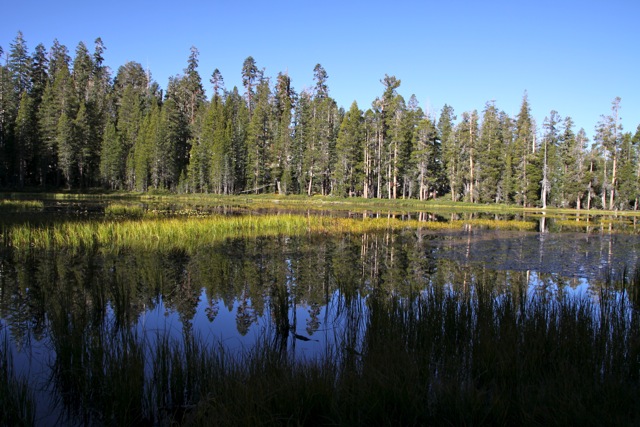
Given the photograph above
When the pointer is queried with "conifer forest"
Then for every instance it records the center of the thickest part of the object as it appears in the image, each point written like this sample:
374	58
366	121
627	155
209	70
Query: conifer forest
68	122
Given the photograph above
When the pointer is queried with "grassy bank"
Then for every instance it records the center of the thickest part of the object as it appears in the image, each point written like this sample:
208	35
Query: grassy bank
303	202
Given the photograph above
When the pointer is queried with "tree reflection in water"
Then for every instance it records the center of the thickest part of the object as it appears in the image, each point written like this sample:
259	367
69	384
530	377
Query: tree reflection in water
92	315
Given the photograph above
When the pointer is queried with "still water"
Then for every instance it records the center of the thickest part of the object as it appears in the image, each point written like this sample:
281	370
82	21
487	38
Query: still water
225	293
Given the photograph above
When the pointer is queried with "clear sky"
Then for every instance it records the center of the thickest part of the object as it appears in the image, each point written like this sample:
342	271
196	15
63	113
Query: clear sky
571	56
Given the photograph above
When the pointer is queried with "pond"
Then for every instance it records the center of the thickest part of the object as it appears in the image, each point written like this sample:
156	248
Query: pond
70	316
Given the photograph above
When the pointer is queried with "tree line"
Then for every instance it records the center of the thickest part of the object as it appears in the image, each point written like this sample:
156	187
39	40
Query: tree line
68	123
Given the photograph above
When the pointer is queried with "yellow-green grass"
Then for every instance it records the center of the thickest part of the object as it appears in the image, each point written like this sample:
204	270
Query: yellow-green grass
123	210
20	205
186	233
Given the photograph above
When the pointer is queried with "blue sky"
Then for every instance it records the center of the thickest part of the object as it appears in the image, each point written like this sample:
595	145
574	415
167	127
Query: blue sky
571	56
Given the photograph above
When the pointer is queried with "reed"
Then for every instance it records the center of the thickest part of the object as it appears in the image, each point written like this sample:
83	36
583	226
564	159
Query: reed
189	233
7	206
123	210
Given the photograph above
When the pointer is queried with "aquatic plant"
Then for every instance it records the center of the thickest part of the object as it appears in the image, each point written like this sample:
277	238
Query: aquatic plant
20	205
154	232
123	210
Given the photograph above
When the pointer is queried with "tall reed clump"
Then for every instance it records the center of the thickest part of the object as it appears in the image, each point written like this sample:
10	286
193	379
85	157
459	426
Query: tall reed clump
115	210
189	233
17	402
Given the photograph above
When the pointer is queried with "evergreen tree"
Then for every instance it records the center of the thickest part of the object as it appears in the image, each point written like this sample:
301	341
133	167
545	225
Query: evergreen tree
66	148
571	171
426	158
58	58
4	120
58	98
370	159
466	135
450	150
301	142
548	154
609	138
524	150
250	77
25	133
111	157
236	127
283	139
627	184
507	185
490	156
259	140
82	72
19	65
348	169
391	112
193	85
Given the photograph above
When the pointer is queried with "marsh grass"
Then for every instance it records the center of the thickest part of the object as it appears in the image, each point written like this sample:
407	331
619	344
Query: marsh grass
123	210
189	233
20	205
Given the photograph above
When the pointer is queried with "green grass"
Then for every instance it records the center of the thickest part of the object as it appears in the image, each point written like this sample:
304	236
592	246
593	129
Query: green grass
20	205
190	233
115	210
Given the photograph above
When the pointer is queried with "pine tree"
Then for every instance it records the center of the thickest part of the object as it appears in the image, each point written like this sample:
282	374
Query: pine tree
426	158
507	185
19	65
349	150
4	121
111	157
193	85
283	139
627	183
524	151
66	149
467	132
490	156
250	77
25	133
82	70
609	137
392	137
450	150
259	140
548	153
236	127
